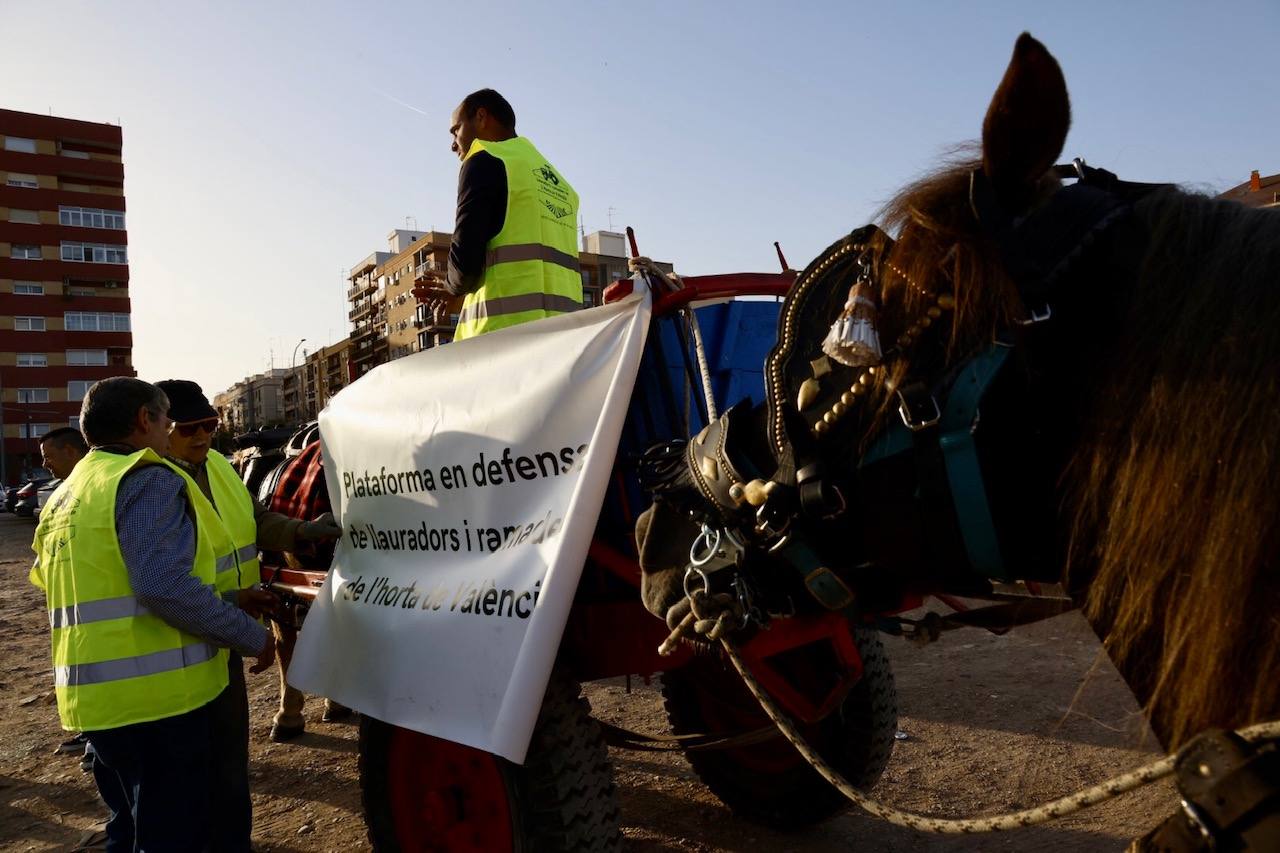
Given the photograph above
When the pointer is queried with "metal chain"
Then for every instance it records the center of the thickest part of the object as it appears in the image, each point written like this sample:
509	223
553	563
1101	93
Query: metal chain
997	823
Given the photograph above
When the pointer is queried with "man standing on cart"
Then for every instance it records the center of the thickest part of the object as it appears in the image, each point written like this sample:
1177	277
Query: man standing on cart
514	256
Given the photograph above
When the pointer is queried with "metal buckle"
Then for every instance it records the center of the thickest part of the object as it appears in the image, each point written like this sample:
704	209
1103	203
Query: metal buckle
1037	316
904	412
764	525
1200	822
842	504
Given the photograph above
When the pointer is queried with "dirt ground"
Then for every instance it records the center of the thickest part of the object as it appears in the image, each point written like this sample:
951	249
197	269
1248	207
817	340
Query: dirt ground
992	724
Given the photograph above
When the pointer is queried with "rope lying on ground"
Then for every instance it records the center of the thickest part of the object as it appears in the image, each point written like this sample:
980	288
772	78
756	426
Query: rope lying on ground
996	823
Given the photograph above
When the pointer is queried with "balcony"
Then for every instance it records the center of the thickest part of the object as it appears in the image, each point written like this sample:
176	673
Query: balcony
363	332
360	287
429	270
361	310
430	324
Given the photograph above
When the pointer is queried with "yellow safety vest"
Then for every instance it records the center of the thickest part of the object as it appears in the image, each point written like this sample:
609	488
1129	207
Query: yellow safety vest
114	662
240	570
531	266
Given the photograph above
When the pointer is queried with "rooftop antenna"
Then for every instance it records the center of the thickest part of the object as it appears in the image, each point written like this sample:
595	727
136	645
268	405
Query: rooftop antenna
412	219
612	210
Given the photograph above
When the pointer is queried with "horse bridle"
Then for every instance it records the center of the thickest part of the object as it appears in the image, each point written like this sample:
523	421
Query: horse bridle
1039	247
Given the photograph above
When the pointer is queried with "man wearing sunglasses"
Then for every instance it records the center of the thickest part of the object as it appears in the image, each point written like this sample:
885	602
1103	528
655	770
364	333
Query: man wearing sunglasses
251	526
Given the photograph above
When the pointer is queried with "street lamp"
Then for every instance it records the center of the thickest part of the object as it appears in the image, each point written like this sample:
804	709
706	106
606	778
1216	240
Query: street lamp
293	372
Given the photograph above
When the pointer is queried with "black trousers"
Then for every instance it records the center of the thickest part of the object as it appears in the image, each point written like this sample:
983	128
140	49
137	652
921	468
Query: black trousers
229	720
157	778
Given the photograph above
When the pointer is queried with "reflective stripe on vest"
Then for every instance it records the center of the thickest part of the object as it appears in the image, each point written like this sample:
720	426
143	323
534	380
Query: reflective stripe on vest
532	252
166	660
115	663
547	302
96	611
227	562
531	266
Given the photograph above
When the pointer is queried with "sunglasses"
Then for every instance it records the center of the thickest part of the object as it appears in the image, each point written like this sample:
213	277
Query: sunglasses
187	430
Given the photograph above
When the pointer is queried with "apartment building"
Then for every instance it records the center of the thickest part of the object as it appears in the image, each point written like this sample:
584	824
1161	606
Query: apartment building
253	403
308	388
64	276
368	313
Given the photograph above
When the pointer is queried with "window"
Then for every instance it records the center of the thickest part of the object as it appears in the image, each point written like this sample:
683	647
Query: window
81	291
33	395
91	217
26	217
33	359
94	253
36	430
86	357
17	143
28	288
16	179
74	423
28	324
78	155
25	251
77	388
88	321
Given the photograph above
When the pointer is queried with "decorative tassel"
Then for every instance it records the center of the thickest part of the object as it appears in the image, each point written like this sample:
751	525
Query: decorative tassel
853	340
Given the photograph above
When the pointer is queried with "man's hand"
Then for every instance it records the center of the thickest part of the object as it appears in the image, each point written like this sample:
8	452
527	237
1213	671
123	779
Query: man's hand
257	601
319	529
267	656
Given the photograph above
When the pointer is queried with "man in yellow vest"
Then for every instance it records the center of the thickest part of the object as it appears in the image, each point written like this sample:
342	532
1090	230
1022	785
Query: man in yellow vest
514	255
251	526
127	552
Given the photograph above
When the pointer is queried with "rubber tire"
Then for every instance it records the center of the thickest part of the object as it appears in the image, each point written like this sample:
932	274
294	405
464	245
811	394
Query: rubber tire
771	783
562	799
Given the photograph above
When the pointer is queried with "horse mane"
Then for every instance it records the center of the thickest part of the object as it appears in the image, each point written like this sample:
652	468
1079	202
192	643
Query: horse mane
1172	496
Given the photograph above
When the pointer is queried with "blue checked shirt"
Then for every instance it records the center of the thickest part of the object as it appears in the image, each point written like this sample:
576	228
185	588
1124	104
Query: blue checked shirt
158	542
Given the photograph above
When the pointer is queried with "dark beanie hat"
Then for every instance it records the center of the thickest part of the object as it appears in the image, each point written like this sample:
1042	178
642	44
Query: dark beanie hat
186	401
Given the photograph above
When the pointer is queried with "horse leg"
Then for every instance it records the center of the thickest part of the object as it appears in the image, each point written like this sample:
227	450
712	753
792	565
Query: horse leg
334	711
288	722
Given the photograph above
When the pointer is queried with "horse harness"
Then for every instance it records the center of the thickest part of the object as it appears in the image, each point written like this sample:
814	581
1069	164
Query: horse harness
1230	788
937	426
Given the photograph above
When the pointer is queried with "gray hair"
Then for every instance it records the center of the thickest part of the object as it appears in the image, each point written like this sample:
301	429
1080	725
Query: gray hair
111	405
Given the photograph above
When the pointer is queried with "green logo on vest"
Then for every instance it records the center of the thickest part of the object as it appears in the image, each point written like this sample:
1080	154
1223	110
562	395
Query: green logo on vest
545	173
556	210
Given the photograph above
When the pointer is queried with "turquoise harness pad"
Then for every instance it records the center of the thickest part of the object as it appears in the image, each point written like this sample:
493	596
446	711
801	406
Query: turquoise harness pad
955	436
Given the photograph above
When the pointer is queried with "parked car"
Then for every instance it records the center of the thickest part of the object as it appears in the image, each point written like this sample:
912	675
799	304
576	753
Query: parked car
33	495
10	497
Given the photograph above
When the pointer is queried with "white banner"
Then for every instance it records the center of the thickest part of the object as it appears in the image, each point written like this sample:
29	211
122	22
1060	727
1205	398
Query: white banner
468	479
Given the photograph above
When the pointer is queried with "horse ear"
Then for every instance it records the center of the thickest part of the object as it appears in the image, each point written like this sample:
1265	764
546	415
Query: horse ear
1026	124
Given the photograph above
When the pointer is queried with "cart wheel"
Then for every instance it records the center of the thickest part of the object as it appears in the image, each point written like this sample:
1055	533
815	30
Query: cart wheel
770	782
421	793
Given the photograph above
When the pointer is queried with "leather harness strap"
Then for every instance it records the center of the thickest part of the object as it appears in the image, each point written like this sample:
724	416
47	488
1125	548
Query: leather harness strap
1230	798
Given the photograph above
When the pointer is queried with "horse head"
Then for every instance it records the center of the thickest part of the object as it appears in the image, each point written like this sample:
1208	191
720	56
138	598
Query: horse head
1098	356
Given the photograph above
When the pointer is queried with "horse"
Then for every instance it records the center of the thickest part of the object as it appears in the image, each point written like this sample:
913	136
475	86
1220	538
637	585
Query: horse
282	469
1131	449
